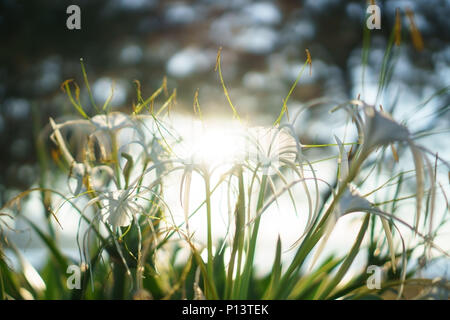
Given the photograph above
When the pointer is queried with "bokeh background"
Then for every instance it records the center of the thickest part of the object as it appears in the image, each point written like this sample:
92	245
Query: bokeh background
263	45
263	49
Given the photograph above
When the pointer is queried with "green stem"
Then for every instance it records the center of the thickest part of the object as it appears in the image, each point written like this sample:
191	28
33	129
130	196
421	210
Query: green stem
115	158
210	264
315	234
238	242
332	284
251	253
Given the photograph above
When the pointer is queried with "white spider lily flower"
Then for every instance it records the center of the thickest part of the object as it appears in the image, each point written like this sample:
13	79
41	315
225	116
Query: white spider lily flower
77	169
270	147
351	201
213	146
380	129
100	176
57	137
112	121
101	130
106	128
342	162
119	208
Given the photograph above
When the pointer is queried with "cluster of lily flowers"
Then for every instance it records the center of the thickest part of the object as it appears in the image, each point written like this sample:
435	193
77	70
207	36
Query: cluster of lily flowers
124	158
118	152
122	162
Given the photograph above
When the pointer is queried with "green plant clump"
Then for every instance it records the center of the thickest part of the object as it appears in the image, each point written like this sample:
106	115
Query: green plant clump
129	240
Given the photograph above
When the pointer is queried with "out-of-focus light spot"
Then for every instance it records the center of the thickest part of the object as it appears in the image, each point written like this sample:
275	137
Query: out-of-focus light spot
355	11
131	54
242	32
189	61
135	4
263	13
254	80
49	74
319	5
17	108
404	68
180	13
305	29
226	4
392	5
262	81
369	91
443	71
258	40
48	81
292	70
420	22
102	90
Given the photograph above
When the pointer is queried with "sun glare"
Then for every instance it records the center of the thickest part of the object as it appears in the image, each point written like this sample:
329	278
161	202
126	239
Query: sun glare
214	143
